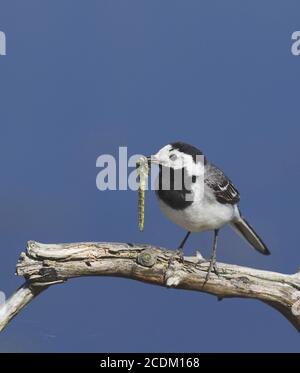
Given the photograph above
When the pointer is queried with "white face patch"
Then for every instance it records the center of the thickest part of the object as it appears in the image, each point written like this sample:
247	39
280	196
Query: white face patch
173	158
169	157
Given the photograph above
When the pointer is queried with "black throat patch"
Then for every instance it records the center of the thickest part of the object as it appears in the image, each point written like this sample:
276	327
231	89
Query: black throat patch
174	186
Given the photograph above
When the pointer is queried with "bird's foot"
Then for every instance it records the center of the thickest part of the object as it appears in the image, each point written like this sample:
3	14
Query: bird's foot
212	266
178	253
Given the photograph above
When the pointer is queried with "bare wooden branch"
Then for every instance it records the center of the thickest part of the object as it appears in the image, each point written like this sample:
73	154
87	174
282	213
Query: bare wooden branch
46	264
17	302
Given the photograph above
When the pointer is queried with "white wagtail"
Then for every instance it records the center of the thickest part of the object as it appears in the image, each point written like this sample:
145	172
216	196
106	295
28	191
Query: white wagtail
196	209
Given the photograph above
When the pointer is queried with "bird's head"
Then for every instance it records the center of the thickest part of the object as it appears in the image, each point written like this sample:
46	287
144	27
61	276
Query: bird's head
179	155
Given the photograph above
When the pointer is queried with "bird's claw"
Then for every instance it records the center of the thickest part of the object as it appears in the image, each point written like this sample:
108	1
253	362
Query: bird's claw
177	253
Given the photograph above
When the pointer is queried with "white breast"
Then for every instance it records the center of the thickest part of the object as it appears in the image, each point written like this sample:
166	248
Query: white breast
205	214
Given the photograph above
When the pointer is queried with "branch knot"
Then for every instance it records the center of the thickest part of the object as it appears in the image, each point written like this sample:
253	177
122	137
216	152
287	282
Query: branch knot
147	258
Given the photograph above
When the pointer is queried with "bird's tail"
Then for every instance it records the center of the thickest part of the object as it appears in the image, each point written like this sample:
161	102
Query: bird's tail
245	229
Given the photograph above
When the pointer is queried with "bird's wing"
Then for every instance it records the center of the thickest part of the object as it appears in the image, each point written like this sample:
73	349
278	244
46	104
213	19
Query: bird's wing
224	190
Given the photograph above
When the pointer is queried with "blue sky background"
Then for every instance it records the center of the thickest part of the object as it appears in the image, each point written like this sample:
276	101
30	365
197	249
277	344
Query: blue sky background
83	78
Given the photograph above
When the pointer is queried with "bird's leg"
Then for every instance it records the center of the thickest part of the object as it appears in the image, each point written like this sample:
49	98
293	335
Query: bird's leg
179	250
213	258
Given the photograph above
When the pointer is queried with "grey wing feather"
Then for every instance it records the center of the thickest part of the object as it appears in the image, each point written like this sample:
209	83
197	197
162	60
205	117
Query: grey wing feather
224	190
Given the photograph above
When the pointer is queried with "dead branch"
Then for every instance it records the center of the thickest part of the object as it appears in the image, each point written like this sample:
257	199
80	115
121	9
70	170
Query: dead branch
43	265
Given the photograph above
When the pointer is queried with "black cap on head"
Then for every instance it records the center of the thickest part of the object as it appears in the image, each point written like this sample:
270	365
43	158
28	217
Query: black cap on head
187	149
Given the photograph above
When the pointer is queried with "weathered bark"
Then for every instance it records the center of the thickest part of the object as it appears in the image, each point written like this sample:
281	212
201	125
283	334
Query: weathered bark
17	302
46	264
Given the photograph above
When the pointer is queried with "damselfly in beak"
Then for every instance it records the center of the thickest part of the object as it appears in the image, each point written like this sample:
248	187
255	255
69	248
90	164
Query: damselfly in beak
142	165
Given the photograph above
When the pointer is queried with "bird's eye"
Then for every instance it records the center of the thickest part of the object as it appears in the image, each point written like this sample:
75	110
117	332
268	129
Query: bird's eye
173	157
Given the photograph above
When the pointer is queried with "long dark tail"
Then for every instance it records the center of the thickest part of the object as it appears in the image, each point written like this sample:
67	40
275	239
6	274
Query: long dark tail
245	229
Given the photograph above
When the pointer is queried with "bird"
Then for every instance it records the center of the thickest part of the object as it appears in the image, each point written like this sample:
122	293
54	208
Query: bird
197	195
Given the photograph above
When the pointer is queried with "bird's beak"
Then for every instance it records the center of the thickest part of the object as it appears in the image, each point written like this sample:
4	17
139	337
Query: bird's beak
152	159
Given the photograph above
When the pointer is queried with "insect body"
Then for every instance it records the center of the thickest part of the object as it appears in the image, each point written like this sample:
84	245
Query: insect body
143	172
